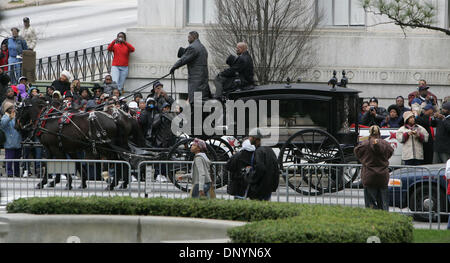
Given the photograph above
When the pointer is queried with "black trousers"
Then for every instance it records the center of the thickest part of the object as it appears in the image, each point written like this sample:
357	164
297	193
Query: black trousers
376	198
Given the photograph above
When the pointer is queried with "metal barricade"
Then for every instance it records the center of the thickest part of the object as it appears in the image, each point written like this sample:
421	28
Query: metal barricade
63	178
172	179
414	191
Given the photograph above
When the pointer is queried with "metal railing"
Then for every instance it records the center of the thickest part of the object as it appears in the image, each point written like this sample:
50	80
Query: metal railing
89	64
414	191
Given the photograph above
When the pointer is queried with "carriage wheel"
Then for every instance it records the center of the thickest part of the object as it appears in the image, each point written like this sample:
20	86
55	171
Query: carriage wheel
181	152
313	147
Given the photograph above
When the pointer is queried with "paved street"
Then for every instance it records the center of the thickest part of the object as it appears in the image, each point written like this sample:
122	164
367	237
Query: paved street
74	25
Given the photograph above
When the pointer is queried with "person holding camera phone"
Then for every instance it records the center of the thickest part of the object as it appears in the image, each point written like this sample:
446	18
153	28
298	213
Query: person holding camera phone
121	49
375	115
412	136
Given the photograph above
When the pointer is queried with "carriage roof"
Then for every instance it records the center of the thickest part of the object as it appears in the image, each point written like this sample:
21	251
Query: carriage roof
276	90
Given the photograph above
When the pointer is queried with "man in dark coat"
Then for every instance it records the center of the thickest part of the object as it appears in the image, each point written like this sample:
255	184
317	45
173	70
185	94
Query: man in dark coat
148	117
196	58
375	115
162	126
442	139
264	175
63	83
426	120
241	68
374	154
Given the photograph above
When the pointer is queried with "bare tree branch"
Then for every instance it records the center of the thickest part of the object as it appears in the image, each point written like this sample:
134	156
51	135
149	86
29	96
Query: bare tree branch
278	33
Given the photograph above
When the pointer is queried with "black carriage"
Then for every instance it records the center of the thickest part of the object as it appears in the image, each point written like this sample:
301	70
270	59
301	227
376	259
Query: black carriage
318	124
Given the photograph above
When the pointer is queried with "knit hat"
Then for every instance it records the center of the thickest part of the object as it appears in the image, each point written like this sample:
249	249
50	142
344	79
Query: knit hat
133	105
373	100
57	93
407	115
67	74
201	144
157	84
428	107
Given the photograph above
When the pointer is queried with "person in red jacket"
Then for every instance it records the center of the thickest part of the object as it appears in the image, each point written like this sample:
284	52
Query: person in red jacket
4	57
121	49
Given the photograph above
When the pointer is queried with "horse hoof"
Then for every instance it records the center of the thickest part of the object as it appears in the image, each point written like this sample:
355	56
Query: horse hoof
51	185
68	188
110	188
39	186
82	186
123	186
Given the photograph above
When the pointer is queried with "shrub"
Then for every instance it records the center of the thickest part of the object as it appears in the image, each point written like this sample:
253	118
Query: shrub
270	222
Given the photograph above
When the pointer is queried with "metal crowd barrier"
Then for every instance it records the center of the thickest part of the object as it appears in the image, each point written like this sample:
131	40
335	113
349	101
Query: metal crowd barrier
414	191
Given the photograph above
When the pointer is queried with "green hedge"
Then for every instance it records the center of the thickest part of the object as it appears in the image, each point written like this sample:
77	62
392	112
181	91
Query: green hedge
270	222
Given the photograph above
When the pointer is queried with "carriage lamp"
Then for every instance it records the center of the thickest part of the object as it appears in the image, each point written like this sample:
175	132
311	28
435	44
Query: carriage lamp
288	83
334	81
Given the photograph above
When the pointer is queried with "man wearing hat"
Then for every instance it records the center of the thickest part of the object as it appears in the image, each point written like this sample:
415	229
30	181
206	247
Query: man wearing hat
28	33
264	173
63	83
442	139
412	136
196	59
148	117
427	120
421	96
375	115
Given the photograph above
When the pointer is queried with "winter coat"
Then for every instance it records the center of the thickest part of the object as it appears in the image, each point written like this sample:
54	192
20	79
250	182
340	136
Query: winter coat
4	80
201	170
265	174
61	86
442	139
146	120
196	59
243	68
370	120
412	145
392	123
237	184
23	94
428	151
16	46
415	94
13	137
4	55
29	35
162	130
121	53
375	161
108	88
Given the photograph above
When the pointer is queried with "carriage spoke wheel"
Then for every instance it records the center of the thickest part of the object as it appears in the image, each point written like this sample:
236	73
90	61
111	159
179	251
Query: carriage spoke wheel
182	152
313	147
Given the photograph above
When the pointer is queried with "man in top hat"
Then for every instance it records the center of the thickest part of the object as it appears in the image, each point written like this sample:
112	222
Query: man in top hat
196	59
29	34
375	115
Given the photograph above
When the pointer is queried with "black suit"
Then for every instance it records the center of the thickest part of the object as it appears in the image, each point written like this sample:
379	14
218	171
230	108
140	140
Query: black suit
241	68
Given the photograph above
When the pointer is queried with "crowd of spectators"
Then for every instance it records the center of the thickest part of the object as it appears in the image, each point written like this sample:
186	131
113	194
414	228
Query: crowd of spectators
423	129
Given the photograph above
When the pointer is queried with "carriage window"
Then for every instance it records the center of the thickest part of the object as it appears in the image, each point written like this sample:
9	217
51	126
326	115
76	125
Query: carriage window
347	113
294	113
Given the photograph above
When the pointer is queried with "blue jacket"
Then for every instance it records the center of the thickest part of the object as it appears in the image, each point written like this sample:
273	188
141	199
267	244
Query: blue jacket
13	137
16	46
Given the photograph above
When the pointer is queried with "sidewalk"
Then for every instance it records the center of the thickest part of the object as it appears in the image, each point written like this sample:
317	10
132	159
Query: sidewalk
8	4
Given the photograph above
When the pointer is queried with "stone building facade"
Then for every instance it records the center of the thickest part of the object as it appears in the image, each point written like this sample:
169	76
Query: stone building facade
379	59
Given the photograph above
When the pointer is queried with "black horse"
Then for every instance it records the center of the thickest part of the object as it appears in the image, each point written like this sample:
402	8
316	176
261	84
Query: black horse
65	134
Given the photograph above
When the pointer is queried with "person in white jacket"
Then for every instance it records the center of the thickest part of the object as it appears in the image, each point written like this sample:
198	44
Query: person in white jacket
29	34
412	136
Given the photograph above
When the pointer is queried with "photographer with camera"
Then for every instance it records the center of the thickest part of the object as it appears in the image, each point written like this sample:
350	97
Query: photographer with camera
375	115
121	49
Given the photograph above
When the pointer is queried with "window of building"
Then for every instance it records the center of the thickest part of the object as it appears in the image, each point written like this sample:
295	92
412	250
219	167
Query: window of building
200	11
341	12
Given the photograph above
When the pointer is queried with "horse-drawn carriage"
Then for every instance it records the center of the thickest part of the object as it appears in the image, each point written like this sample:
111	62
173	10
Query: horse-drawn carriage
313	127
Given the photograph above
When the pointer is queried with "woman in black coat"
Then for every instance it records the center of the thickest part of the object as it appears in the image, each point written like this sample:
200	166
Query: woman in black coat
237	185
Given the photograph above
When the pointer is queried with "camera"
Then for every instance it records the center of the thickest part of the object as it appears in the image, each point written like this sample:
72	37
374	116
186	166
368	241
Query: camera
372	108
